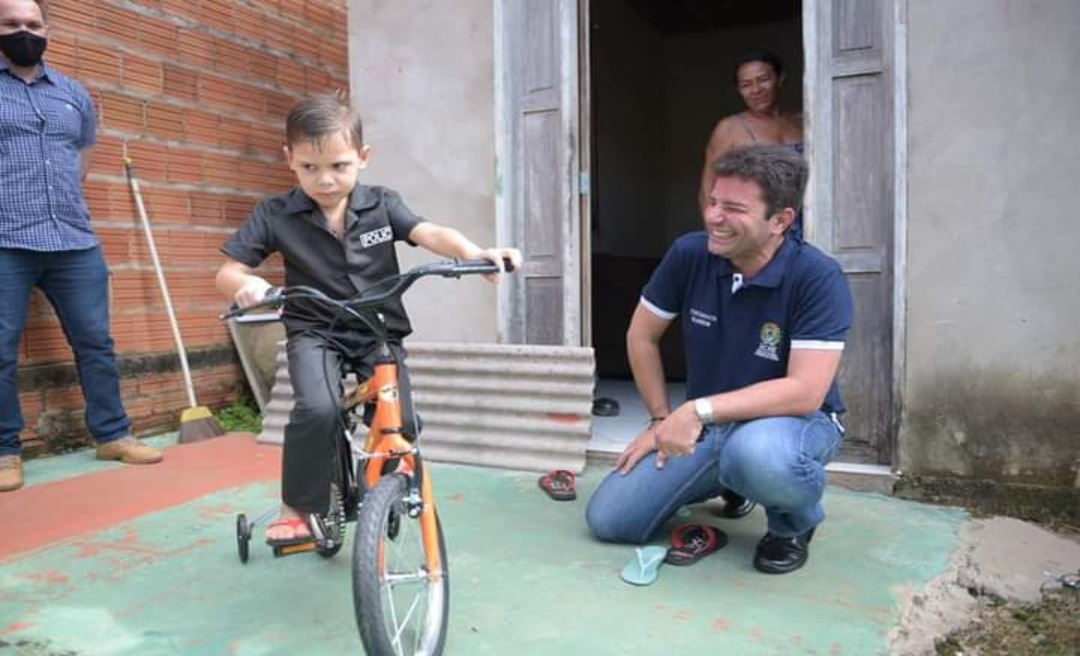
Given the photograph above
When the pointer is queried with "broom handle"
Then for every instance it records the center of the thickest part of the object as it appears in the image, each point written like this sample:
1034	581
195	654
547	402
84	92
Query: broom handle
161	281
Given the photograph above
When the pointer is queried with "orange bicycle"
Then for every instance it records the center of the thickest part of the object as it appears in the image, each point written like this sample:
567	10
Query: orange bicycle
401	584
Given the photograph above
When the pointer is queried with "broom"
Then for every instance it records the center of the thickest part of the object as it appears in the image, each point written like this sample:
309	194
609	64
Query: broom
196	423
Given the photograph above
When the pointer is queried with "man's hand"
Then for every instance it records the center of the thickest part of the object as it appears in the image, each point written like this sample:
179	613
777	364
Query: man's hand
678	434
644	444
251	293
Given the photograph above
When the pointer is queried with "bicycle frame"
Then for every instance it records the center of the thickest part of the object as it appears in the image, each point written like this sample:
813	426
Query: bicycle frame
386	440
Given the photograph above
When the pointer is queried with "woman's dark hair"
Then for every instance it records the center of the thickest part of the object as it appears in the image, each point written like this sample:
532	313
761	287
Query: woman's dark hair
323	116
763	56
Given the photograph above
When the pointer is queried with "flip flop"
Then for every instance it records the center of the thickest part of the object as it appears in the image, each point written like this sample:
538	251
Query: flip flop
604	406
295	523
559	485
642	569
692	542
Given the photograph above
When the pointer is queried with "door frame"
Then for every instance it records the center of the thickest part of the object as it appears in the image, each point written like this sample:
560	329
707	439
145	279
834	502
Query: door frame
816	131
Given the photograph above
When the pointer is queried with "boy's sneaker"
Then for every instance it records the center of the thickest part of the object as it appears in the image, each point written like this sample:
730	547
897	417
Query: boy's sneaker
11	473
130	451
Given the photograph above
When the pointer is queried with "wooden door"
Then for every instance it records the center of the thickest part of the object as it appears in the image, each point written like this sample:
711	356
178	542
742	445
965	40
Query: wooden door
851	205
539	167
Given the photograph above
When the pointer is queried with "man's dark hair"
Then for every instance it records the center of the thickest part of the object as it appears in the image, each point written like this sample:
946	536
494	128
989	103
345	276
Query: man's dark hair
778	170
322	116
763	56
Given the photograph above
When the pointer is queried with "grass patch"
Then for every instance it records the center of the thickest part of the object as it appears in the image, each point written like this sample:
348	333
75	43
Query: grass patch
1047	628
242	416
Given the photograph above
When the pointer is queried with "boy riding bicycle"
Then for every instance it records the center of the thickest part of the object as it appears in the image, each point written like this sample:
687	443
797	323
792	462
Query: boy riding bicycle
337	236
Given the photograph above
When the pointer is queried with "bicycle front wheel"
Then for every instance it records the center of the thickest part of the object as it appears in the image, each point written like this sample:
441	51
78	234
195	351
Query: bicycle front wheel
401	609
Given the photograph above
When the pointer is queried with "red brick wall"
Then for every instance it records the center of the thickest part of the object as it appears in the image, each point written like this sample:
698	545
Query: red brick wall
198	90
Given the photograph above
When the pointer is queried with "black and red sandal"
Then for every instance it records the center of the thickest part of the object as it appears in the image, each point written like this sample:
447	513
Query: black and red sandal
692	542
560	485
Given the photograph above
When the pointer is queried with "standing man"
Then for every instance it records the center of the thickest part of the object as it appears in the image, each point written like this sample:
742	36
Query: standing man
46	134
764	320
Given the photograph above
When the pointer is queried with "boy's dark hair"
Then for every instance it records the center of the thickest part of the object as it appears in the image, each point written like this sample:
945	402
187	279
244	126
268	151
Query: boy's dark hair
778	170
322	116
763	56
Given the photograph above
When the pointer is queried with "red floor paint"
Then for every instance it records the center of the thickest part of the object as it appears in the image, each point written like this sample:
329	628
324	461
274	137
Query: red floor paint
36	516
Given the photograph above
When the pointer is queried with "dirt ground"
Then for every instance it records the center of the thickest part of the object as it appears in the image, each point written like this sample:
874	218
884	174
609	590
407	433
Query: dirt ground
1013	589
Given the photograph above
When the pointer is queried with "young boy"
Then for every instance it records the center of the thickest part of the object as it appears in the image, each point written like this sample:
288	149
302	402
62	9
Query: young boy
338	236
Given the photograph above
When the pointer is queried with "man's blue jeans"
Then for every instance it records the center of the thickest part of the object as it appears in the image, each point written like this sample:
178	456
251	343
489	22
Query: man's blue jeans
77	285
779	462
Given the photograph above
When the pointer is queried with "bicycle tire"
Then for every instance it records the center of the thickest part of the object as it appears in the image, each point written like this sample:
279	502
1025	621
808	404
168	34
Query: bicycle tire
384	524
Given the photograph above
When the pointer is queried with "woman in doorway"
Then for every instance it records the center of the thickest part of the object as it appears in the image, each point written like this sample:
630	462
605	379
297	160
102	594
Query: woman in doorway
759	75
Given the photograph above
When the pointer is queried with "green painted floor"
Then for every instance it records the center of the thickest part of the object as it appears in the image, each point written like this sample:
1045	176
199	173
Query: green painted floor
526	579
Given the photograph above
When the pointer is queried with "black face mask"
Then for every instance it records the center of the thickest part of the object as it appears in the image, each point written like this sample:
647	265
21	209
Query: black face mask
23	48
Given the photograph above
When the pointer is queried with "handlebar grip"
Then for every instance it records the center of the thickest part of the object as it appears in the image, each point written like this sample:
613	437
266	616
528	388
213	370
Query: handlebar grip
273	297
463	267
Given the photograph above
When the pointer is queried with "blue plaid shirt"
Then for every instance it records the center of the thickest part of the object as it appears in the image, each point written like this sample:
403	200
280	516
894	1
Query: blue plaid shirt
43	127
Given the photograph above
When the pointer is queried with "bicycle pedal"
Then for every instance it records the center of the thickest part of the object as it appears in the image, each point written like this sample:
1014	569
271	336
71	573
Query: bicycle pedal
281	551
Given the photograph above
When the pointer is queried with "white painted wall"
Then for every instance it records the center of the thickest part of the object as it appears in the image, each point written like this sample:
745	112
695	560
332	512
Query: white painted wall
422	74
993	349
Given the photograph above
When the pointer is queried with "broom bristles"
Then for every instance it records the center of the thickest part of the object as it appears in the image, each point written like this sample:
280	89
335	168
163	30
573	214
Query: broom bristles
197	424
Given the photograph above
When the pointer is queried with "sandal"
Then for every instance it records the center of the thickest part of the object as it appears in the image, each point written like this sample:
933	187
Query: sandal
642	569
692	542
604	406
296	524
559	485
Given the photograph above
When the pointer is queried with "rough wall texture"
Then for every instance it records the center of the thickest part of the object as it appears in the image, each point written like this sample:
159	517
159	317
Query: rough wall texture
992	390
198	90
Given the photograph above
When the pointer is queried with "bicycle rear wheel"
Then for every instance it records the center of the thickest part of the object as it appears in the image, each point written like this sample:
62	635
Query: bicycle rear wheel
399	608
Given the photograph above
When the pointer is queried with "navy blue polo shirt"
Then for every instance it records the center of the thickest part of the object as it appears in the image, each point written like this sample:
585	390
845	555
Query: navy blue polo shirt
292	224
741	331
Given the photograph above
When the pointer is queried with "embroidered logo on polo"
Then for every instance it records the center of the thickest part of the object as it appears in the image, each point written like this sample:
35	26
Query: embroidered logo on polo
702	319
770	336
375	237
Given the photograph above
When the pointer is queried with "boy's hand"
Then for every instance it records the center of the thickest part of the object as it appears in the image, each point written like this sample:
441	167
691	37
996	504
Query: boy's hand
497	255
251	293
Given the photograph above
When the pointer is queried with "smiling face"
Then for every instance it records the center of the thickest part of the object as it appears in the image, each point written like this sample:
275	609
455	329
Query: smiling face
327	169
759	86
737	225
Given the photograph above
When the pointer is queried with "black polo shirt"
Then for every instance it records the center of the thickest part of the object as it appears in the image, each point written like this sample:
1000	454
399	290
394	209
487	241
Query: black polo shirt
293	225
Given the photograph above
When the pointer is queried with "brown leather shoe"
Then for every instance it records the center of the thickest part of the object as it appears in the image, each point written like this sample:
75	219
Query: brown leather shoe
129	451
11	473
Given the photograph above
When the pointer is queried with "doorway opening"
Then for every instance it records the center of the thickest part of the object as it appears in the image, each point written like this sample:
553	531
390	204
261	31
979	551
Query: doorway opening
660	78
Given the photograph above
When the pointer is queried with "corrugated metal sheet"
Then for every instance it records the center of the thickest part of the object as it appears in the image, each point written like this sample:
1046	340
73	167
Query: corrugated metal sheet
504	405
499	405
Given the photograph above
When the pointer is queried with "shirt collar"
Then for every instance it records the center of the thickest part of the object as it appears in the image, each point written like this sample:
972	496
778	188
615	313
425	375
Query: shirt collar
42	72
361	198
773	273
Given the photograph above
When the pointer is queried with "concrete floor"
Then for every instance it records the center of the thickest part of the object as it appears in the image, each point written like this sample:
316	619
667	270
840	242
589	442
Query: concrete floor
99	558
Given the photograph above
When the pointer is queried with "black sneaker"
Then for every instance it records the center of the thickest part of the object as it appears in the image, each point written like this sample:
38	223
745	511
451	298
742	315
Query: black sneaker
735	505
779	555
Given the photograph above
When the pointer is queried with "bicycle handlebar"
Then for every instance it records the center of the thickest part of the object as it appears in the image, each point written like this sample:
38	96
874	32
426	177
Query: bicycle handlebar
275	297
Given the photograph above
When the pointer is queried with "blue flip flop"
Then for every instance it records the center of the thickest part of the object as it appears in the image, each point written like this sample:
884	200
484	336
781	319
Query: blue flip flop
642	569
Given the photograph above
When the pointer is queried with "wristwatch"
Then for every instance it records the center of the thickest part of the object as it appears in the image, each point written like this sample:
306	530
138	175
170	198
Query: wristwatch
703	408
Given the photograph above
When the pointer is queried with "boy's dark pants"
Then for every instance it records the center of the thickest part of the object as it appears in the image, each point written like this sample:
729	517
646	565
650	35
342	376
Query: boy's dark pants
314	422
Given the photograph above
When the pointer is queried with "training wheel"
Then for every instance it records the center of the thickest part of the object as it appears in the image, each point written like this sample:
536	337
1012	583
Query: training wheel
243	536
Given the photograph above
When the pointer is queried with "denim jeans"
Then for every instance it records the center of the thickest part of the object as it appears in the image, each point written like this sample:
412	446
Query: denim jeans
779	462
76	283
